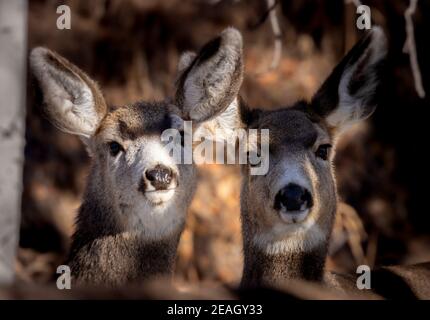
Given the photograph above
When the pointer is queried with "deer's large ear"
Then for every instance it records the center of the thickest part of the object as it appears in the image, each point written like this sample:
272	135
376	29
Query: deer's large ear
210	81
72	100
349	93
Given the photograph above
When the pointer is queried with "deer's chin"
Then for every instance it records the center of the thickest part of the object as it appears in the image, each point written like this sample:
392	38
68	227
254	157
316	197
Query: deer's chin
294	216
159	197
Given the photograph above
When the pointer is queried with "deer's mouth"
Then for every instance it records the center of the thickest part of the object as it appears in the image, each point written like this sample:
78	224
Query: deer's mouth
159	197
294	216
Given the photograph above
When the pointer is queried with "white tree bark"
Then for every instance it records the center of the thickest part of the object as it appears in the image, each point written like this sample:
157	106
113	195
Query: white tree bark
13	36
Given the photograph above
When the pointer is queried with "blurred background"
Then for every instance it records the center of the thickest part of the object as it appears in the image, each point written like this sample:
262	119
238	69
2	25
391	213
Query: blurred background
131	47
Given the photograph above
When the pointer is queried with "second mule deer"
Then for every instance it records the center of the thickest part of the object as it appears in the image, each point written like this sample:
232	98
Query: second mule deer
136	198
288	213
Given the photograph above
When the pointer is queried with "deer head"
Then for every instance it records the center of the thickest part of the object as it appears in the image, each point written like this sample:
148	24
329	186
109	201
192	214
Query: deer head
290	210
135	185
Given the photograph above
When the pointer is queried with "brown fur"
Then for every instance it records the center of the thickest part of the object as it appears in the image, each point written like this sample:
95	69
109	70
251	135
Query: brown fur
106	249
273	256
126	230
264	270
291	132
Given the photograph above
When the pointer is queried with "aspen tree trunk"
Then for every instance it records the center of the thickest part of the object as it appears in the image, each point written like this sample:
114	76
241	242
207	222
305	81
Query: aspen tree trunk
13	38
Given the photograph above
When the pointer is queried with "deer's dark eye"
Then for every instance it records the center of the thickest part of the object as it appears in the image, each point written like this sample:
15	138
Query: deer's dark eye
322	151
114	148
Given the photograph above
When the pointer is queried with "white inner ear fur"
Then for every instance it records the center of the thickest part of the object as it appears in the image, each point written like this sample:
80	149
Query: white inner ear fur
69	100
223	126
207	84
185	60
350	109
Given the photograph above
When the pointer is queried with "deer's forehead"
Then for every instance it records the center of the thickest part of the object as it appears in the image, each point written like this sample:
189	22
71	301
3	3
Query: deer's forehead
132	122
291	126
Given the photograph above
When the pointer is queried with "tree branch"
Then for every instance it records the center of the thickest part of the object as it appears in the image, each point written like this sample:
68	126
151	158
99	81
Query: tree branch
274	23
410	48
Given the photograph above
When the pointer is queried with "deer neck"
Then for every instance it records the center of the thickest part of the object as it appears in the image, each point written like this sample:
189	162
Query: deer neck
276	256
118	259
106	251
262	268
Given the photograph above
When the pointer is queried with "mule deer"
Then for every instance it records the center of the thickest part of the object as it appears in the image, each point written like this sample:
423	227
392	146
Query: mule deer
288	214
136	198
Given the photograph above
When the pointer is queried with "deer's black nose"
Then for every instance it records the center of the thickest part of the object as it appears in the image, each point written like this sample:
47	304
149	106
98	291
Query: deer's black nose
160	177
293	198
